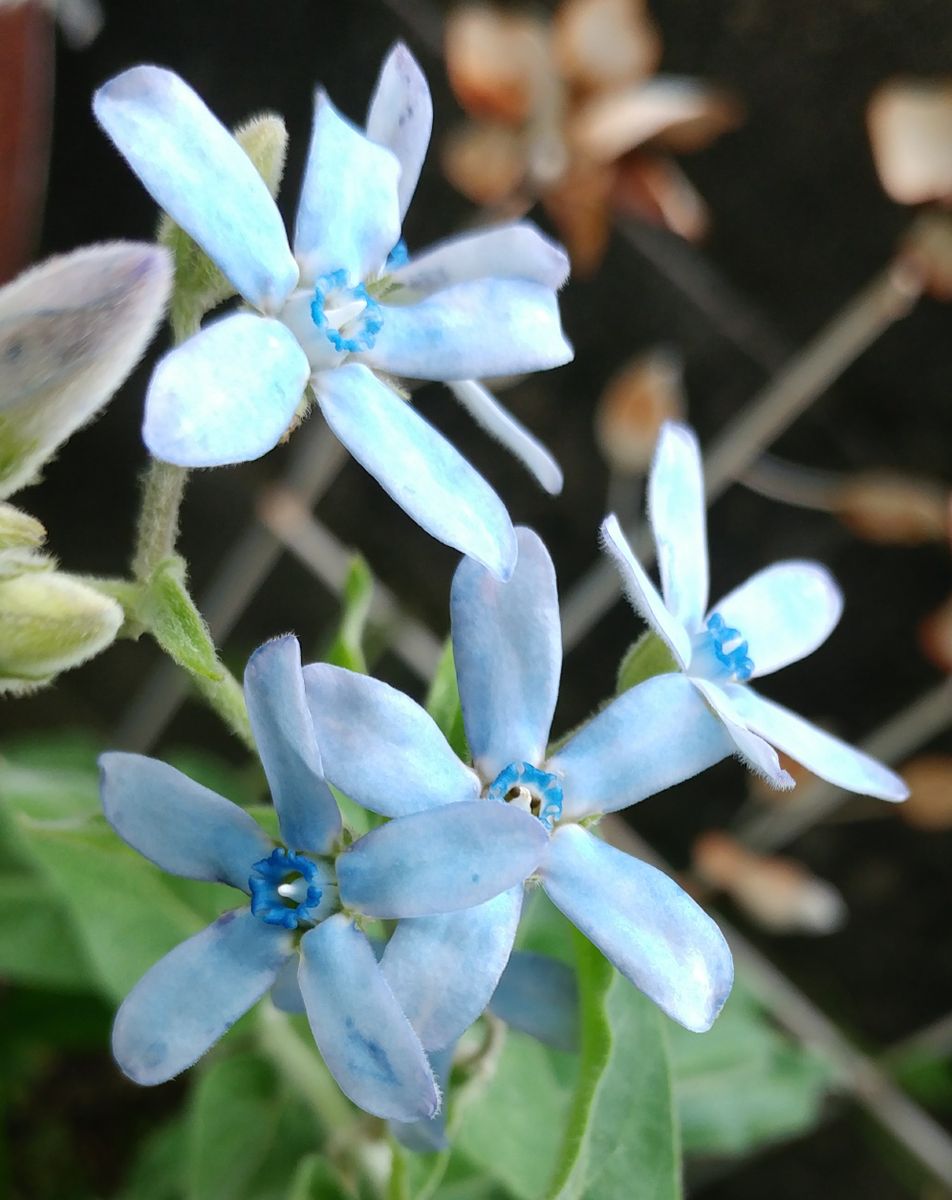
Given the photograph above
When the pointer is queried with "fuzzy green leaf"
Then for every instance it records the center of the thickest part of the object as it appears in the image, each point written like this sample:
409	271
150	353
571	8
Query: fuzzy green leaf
176	624
647	657
622	1135
442	703
347	648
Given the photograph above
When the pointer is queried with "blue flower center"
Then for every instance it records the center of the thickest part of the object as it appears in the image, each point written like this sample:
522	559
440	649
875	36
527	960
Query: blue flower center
349	317
720	652
531	789
285	889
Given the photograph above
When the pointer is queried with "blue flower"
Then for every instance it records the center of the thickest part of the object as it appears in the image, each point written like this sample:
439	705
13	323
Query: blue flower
340	309
302	927
780	615
387	754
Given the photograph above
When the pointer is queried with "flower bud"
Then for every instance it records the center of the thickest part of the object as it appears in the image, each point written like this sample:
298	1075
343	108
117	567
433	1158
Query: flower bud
603	43
910	129
496	61
645	393
71	330
49	622
929	806
18	530
779	894
893	509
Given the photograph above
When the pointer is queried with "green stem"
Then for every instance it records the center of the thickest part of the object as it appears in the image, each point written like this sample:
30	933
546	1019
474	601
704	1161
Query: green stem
162	492
299	1064
226	697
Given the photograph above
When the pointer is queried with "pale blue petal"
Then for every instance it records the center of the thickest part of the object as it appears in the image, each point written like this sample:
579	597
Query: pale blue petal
440	860
176	823
642	593
380	747
400	117
759	755
284	735
819	752
366	1041
507	647
226	395
190	998
348	216
655	735
539	996
500	424
197	172
417	466
444	969
783	612
644	923
472	330
517	251
428	1136
677	511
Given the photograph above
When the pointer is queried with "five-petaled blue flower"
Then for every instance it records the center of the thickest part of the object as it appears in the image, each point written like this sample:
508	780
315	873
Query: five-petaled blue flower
301	932
385	752
341	308
778	616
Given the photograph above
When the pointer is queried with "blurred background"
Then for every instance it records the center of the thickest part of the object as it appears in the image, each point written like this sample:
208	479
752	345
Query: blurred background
795	222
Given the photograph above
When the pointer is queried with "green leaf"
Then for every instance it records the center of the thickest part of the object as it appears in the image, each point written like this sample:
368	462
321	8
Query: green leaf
37	944
443	705
234	1113
317	1179
123	913
647	657
347	648
512	1132
169	613
158	1171
743	1083
622	1132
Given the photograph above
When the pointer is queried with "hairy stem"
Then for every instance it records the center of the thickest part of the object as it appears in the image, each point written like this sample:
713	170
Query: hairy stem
157	533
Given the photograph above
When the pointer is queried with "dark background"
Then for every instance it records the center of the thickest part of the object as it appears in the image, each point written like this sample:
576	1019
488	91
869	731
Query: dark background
799	223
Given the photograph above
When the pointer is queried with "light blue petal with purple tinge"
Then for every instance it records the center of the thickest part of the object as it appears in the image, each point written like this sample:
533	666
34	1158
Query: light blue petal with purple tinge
284	734
176	823
365	1039
655	735
538	995
227	395
784	612
507	646
417	466
440	860
348	216
472	330
644	923
517	251
400	117
642	593
511	434
380	747
444	969
190	998
818	751
678	516
197	172
428	1136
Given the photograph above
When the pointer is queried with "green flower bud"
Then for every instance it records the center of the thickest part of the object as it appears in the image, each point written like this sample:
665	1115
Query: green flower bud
18	530
71	330
50	622
199	284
